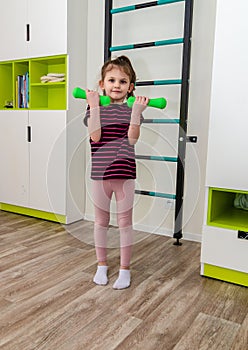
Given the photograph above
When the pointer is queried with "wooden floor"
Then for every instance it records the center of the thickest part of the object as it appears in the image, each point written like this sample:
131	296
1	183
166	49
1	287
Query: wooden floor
48	300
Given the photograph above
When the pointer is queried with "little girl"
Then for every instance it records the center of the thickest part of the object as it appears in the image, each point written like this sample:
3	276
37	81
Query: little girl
113	131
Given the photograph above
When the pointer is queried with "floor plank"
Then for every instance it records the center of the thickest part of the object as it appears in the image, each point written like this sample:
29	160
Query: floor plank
241	339
209	332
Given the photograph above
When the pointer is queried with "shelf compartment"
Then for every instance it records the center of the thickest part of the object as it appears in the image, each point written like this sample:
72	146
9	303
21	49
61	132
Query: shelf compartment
51	95
221	210
6	84
42	66
48	96
20	68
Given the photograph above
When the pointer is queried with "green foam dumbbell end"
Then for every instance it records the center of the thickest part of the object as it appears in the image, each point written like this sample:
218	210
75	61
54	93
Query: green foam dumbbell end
159	102
80	93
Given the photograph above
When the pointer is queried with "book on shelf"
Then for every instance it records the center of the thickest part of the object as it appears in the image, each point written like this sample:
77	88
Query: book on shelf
22	91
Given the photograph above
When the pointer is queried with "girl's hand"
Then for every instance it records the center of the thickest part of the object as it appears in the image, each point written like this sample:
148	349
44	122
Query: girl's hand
92	98
140	104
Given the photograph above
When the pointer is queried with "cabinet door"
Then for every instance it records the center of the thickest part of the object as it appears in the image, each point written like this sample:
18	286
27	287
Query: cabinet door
48	27
227	165
48	161
14	158
221	247
13	22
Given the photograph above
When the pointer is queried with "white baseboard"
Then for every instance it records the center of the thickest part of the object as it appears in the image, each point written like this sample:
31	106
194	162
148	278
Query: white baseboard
188	236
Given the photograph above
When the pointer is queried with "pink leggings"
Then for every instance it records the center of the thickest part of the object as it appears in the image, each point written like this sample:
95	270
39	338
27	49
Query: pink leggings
124	195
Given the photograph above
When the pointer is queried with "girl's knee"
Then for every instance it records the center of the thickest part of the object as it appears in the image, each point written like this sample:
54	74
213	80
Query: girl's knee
101	218
101	222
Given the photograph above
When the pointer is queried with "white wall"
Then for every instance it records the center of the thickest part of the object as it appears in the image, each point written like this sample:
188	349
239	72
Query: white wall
157	23
199	108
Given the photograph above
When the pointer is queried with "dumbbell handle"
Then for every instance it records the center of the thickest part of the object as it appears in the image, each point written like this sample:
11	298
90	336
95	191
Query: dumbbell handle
80	93
159	102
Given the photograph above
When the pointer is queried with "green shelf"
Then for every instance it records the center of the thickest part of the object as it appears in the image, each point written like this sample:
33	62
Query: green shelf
6	86
221	210
46	85
50	95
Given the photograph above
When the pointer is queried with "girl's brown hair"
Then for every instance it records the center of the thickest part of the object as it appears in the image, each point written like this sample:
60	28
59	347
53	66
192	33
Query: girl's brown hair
123	63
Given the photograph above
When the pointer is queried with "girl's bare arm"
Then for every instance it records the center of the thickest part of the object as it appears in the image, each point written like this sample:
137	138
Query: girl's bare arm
94	123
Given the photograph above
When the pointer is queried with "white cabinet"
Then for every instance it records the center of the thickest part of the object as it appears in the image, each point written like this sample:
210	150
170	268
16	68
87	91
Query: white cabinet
42	148
227	164
33	28
47	21
214	239
13	29
33	152
14	157
228	144
224	249
47	161
42	164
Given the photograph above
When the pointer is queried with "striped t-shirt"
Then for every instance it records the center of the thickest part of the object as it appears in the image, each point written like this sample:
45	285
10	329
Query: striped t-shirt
112	157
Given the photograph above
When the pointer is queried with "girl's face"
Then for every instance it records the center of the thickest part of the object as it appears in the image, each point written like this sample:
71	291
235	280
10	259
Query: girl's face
116	85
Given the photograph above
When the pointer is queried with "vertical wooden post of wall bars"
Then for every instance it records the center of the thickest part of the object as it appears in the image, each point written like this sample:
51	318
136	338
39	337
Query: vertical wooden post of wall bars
183	121
108	29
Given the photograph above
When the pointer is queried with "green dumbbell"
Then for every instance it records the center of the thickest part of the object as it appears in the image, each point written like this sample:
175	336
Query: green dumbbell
105	100
153	102
80	93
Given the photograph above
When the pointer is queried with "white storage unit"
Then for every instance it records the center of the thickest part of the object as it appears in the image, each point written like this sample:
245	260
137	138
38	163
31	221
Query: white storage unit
32	28
224	251
44	176
227	258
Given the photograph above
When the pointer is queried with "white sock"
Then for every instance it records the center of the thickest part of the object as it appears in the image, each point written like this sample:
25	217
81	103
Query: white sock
124	279
101	277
